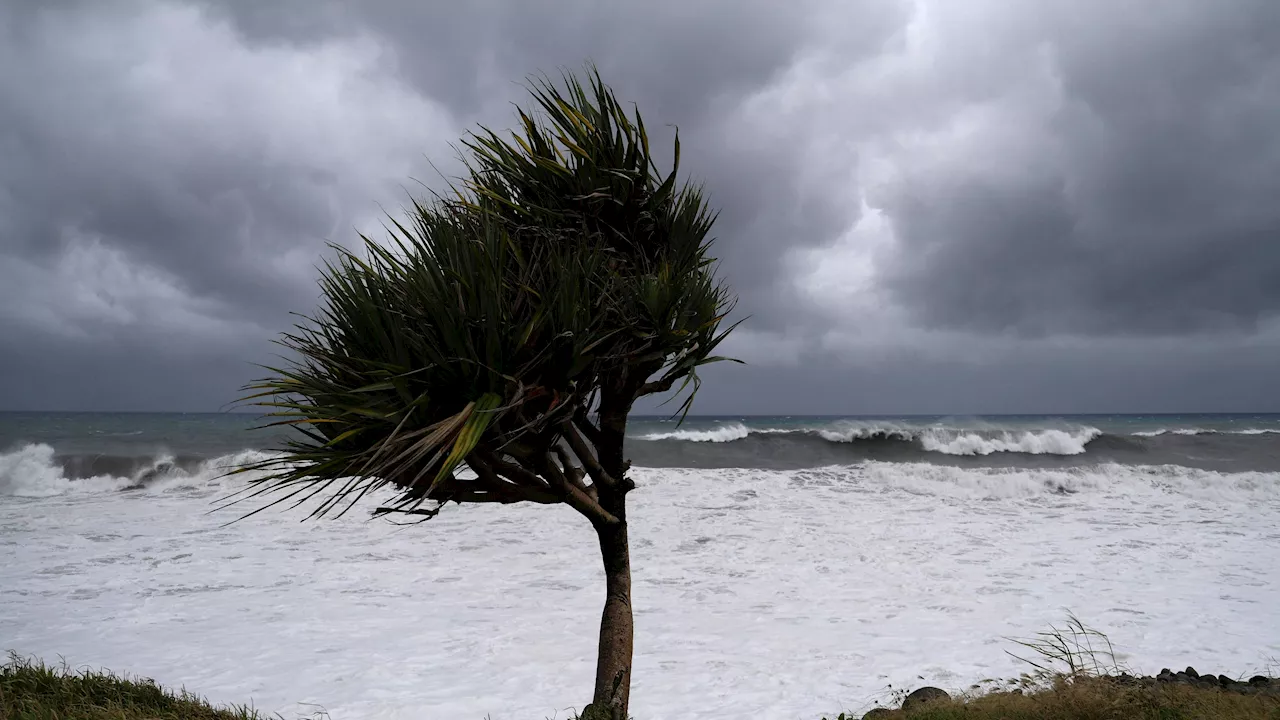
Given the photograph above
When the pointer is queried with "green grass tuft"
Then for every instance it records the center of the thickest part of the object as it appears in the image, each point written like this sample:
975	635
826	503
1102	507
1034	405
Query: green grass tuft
1074	674
31	690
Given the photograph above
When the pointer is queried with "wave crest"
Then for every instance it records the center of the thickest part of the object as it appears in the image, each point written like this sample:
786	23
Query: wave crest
947	441
1041	442
1203	431
724	433
35	471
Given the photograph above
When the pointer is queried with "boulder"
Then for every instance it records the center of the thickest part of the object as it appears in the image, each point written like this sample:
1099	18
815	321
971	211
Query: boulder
876	713
924	696
1259	680
1192	672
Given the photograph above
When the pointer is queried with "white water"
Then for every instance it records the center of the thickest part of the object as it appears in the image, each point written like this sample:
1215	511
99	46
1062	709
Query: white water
949	441
1040	442
724	433
757	593
1203	431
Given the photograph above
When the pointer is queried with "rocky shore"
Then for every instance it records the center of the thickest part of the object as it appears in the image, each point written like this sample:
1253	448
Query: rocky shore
1260	685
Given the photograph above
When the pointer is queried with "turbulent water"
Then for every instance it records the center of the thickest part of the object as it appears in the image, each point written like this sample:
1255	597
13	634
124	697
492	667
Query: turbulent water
784	567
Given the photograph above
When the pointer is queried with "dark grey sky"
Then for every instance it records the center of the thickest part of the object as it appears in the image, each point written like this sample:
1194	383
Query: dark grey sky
928	206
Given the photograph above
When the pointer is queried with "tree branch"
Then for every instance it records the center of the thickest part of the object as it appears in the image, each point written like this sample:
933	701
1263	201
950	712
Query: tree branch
658	386
491	482
573	473
516	474
484	496
427	513
587	457
583	423
575	498
466	496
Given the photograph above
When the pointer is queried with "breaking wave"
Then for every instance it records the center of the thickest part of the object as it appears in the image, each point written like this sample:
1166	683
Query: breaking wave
37	471
948	441
1042	442
724	433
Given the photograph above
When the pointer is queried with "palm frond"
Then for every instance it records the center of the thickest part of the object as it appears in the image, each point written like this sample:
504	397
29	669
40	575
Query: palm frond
563	268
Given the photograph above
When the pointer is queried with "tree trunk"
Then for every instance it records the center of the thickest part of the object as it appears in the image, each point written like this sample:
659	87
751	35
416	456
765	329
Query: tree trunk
617	631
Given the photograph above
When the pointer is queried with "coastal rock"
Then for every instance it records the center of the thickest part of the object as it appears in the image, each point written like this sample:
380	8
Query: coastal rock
1125	679
1255	685
880	713
924	696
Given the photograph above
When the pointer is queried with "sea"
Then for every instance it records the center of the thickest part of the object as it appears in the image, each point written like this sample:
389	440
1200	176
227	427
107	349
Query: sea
784	567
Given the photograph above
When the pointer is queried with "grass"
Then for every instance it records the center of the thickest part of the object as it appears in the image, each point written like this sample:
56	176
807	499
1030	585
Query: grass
1074	675
31	690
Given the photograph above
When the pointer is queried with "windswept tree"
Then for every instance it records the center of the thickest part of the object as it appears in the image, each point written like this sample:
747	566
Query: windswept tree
491	350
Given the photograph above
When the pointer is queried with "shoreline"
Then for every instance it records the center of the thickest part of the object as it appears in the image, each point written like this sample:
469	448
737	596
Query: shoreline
31	689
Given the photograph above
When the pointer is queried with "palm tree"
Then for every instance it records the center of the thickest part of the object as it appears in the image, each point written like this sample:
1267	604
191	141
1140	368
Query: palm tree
508	328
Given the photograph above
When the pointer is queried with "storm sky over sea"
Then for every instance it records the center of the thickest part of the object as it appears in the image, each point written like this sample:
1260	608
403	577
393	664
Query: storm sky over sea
927	206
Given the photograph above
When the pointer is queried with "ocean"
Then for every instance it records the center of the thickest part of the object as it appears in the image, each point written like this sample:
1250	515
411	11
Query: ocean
783	567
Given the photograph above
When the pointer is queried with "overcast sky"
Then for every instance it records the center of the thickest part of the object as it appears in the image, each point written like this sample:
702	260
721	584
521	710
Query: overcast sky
927	206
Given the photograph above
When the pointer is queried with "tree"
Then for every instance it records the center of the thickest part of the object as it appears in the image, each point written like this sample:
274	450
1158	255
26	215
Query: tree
508	328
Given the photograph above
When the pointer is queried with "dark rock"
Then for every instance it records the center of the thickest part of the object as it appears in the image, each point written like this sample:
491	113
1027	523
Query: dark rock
1257	680
1123	679
1166	675
878	713
1225	681
1182	679
1192	672
924	696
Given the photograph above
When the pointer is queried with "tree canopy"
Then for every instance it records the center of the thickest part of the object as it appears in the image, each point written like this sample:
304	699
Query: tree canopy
507	327
562	272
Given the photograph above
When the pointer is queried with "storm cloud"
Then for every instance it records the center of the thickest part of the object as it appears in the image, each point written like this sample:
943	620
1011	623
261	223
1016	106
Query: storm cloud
926	206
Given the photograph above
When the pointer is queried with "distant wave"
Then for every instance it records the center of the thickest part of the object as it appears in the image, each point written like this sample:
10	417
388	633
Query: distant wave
724	433
948	441
36	471
1203	431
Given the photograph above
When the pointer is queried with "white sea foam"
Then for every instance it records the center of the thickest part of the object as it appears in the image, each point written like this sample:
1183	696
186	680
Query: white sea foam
1037	442
949	441
1203	431
31	472
757	593
722	433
